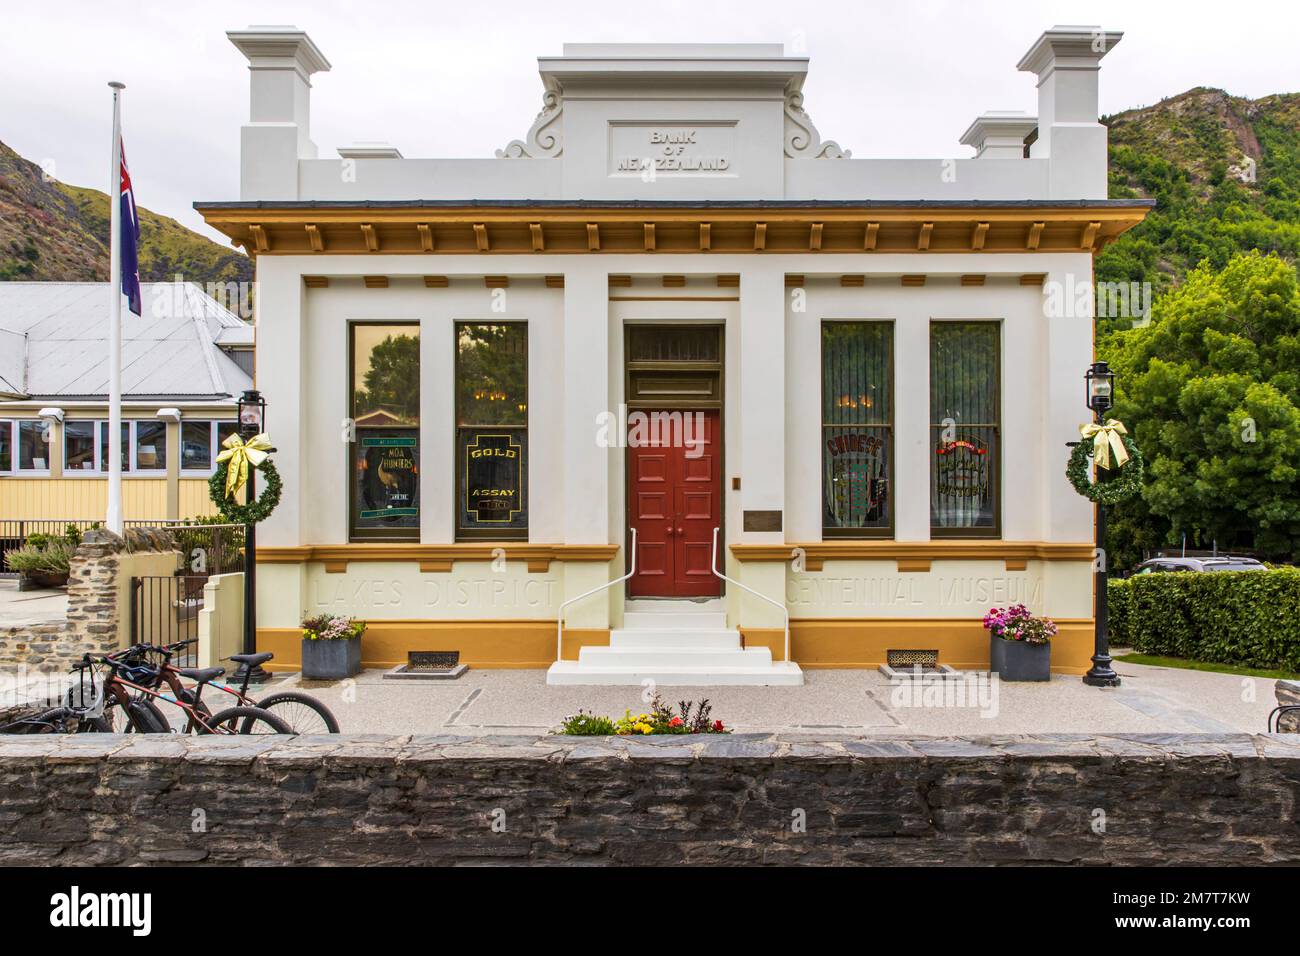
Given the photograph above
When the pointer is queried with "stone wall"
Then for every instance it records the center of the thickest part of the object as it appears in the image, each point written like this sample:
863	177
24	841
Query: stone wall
743	799
98	599
1287	693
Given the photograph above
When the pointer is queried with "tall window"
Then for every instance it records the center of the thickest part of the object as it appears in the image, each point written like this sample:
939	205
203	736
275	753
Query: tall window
33	446
6	446
857	429
964	416
492	430
79	446
385	410
126	447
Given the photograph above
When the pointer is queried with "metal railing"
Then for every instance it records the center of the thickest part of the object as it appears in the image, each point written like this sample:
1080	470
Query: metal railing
559	622
222	545
210	548
785	611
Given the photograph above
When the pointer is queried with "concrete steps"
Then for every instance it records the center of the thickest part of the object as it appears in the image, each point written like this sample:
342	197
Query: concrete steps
675	643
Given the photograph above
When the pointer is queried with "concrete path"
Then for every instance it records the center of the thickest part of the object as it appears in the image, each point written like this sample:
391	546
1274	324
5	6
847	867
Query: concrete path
1151	700
30	607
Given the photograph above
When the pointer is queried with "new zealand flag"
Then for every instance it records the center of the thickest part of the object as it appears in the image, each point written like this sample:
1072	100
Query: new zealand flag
130	242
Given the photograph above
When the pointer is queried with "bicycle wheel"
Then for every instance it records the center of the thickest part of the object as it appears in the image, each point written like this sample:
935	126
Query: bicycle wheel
247	720
146	717
142	717
59	720
303	713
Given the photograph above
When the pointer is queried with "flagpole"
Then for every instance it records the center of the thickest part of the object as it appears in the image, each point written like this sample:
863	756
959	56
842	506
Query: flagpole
113	519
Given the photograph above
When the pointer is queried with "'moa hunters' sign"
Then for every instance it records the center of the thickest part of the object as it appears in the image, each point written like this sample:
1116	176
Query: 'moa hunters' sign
493	479
388	481
673	150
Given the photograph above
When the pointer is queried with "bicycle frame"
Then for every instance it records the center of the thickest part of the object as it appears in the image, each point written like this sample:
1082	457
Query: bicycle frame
119	689
171	674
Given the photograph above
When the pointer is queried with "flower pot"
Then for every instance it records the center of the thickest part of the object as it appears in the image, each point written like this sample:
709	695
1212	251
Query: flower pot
37	580
331	660
1019	660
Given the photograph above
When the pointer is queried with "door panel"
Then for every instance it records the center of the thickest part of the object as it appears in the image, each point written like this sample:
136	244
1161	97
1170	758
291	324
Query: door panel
675	502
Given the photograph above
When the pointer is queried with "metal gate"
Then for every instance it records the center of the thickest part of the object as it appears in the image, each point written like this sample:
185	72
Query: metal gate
165	609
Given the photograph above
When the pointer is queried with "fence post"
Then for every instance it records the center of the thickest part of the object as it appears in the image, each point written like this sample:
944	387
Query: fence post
135	615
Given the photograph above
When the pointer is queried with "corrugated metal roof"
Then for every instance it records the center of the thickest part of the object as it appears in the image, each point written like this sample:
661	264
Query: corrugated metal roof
168	351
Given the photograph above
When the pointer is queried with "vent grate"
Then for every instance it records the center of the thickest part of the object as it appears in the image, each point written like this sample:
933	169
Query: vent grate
899	659
431	660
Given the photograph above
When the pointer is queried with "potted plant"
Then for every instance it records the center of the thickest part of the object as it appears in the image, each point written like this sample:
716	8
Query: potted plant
44	560
331	647
1020	646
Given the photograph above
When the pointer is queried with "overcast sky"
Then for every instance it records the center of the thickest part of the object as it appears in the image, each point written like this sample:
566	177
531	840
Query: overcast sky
460	79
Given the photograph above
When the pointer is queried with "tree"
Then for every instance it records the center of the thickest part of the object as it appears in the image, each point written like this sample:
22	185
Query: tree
392	381
1210	390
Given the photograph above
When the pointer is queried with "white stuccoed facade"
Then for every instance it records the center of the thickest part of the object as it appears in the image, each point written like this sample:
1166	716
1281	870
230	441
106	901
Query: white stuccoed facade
637	146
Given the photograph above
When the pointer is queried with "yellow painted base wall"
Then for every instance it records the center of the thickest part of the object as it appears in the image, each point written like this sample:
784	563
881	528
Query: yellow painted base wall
963	644
482	644
844	643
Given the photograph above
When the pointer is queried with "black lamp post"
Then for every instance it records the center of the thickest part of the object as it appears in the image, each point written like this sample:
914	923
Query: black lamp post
1100	381
252	421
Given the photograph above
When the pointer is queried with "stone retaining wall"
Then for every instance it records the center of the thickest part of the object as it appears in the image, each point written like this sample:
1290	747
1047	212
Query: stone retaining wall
742	799
98	600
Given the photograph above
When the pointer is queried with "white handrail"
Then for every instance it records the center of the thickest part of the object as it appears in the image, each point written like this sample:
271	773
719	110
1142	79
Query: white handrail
559	623
785	611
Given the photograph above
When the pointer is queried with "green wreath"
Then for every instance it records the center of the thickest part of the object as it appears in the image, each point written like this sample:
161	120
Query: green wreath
1126	483
254	511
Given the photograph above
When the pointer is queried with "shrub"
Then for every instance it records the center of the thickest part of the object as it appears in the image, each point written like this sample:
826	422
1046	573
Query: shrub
584	724
1248	618
332	627
1119	600
50	556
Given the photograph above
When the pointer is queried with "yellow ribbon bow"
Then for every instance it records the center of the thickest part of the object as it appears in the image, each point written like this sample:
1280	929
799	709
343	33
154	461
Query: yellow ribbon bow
242	455
1104	438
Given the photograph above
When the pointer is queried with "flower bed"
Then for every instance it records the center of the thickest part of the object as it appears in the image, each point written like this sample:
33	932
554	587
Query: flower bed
689	718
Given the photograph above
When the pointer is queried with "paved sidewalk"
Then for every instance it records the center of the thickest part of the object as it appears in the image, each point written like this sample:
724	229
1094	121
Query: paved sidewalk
1151	700
22	608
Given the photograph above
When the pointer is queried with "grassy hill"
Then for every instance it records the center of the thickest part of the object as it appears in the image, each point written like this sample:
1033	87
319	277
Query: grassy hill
1225	172
51	231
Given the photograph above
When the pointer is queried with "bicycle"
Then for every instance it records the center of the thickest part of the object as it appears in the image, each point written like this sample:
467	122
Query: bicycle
131	686
303	713
83	711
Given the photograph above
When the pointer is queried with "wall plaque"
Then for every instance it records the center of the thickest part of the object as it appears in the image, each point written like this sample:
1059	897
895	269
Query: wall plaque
762	521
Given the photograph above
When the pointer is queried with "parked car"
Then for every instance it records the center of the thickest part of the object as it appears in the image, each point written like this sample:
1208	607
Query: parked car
1227	562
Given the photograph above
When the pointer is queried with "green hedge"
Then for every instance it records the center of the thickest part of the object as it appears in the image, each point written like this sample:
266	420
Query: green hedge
1119	597
1250	618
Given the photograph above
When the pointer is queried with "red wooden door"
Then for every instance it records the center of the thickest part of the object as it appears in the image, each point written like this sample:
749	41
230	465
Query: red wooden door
675	502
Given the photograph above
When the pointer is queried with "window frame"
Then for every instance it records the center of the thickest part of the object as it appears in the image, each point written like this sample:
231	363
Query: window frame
355	534
890	530
94	437
16	454
213	448
490	534
7	424
994	531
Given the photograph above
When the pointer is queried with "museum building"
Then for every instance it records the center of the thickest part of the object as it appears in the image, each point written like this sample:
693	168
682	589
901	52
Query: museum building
673	387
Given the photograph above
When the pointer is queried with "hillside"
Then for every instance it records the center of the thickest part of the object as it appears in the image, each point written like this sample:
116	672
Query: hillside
50	231
1225	172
